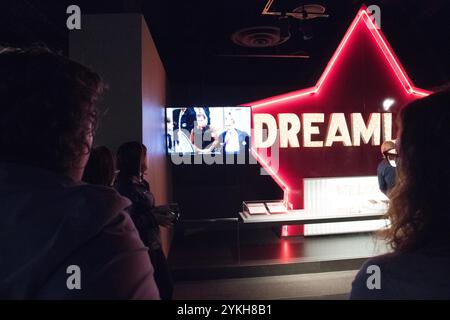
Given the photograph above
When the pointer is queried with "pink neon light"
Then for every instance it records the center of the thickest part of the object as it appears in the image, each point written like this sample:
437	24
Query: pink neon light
338	50
390	57
290	97
395	64
278	180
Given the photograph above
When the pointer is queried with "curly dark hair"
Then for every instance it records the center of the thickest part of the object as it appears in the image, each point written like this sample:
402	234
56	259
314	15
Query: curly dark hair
48	106
420	208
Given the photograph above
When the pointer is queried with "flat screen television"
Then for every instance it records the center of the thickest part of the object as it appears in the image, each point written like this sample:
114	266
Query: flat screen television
200	130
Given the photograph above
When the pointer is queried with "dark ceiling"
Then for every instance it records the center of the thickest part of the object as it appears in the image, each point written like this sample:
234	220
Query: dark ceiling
192	36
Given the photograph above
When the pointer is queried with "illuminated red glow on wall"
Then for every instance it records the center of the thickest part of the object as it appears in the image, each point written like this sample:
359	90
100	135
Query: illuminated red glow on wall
291	230
362	72
364	16
286	251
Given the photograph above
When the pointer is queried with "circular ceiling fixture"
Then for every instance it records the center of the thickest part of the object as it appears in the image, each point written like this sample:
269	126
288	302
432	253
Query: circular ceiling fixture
258	37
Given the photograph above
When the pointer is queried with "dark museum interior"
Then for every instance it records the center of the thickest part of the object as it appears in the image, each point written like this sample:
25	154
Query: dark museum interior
330	79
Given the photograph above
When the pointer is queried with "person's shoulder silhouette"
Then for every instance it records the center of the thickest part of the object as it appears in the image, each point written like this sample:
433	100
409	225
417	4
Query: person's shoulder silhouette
60	238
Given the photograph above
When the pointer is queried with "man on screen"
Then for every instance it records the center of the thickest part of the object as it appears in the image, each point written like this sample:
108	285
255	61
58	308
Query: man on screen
183	122
204	110
203	137
233	140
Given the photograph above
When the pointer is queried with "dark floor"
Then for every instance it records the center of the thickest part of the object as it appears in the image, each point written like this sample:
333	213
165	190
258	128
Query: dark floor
223	251
323	286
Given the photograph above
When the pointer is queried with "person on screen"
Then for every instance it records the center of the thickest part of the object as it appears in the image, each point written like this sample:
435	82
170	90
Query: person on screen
100	168
204	110
232	139
183	120
203	137
386	170
170	143
60	238
419	212
132	164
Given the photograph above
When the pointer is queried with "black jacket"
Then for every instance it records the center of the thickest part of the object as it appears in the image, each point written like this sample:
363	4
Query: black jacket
187	120
143	202
243	138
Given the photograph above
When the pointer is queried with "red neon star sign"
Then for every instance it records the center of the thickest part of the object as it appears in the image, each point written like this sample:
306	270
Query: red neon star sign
362	73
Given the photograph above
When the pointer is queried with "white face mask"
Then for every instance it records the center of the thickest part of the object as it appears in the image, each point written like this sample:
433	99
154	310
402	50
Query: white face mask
392	163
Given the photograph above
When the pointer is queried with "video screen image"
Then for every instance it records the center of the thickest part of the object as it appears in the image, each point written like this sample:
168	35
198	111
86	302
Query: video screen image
208	129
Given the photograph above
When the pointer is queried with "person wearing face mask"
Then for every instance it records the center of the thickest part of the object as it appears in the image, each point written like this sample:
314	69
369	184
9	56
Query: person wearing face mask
386	170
